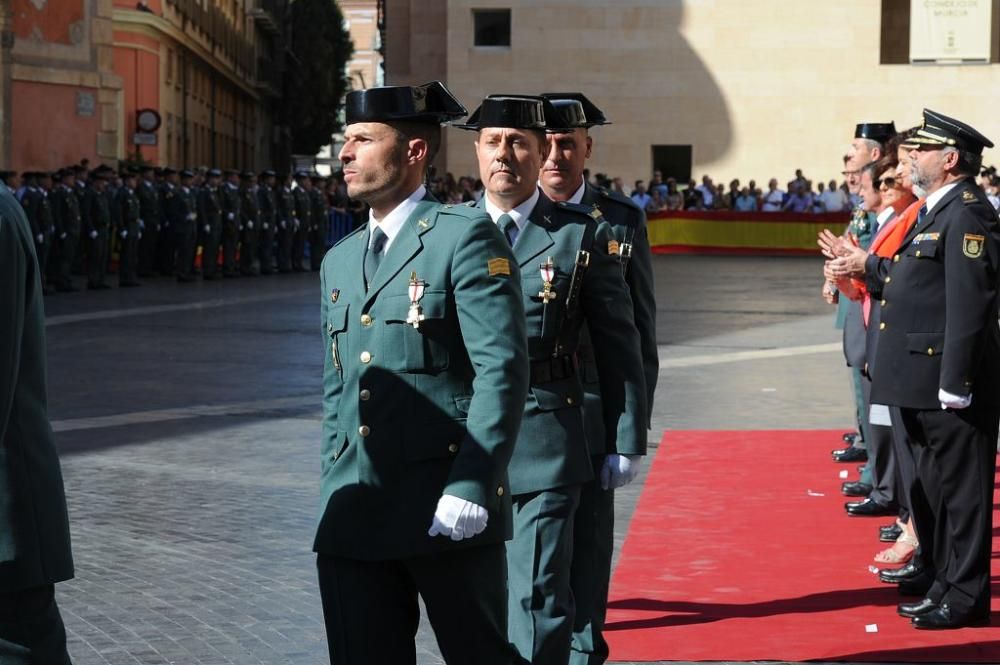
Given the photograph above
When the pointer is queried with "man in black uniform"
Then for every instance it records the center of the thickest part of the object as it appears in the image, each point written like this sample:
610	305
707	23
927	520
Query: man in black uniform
267	203
936	364
166	246
230	196
66	215
97	225
320	223
126	220
249	225
149	220
210	224
39	212
285	203
302	221
183	215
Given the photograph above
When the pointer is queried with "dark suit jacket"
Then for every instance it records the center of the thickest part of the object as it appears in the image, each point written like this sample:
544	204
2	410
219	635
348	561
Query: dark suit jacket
938	325
34	529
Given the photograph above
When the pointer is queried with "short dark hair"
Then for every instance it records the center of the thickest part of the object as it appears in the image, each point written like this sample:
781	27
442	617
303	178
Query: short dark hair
430	133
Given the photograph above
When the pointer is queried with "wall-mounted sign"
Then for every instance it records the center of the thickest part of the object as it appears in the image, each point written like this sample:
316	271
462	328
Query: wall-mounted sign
147	120
144	138
85	104
951	31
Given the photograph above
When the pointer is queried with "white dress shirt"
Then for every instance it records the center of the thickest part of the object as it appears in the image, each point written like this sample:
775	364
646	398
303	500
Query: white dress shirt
394	220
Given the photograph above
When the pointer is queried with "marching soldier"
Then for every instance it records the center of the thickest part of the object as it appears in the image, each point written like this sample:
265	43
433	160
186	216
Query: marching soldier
149	220
97	226
230	195
167	245
285	213
210	224
69	225
593	531
267	203
302	221
320	223
570	276
183	215
425	375
126	219
35	551
249	225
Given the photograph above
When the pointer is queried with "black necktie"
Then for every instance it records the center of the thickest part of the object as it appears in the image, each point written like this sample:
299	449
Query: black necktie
373	257
921	214
509	227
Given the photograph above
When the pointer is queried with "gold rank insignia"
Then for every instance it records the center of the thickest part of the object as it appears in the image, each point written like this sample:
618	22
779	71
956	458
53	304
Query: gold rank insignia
613	248
595	213
968	196
498	266
422	223
972	245
334	295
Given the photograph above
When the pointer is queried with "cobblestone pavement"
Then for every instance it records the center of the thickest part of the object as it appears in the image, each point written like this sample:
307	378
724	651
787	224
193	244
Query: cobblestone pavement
188	420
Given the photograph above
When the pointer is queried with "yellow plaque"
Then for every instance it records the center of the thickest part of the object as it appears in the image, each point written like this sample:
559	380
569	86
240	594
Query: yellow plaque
972	245
498	266
613	248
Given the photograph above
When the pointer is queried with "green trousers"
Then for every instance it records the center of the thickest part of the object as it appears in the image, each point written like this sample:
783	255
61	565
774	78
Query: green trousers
31	628
539	558
590	574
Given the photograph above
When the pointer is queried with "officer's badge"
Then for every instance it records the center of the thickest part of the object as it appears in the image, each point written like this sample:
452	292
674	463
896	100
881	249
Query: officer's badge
416	292
972	245
595	213
548	273
968	196
613	248
334	295
498	266
422	223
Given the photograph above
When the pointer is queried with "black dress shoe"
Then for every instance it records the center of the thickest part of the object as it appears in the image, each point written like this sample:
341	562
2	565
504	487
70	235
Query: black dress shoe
867	508
911	610
889	534
946	617
856	488
852	454
910	571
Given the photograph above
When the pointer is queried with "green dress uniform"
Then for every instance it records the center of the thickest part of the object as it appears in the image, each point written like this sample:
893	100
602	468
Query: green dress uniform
249	231
183	215
166	248
149	226
593	533
69	225
210	227
231	201
412	412
97	224
302	223
126	219
268	214
284	215
35	548
319	227
39	211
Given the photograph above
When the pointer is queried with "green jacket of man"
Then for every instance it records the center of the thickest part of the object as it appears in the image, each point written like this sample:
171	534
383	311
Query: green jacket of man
210	210
231	200
628	223
413	410
126	211
303	208
66	212
34	528
552	449
149	204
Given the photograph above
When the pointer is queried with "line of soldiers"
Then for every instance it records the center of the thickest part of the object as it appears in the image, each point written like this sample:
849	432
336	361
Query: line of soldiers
156	219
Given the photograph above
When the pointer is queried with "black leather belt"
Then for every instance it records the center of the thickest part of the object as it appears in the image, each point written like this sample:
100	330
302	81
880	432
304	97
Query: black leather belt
553	369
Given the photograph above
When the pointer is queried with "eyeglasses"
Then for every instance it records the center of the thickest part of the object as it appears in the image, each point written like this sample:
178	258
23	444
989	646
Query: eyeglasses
885	183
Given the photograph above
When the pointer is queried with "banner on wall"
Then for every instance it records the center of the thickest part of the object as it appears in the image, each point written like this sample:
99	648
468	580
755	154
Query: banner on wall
950	31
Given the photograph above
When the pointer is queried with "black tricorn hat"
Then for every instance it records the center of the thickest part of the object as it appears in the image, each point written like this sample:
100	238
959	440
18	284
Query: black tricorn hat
516	112
301	174
214	173
577	110
187	173
430	103
875	131
940	130
268	173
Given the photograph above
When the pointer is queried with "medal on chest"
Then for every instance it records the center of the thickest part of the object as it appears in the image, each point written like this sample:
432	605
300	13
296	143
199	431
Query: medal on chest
416	290
548	273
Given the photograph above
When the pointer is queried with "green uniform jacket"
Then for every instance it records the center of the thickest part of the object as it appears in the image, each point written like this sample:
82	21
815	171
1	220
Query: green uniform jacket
552	449
231	200
266	203
411	413
126	211
96	211
303	208
34	528
149	205
284	207
66	212
628	223
861	226
209	210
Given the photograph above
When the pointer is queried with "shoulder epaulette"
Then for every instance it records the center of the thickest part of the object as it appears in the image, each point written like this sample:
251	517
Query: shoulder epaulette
461	209
617	198
589	212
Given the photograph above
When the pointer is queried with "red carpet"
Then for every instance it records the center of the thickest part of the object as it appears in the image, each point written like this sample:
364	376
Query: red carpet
730	557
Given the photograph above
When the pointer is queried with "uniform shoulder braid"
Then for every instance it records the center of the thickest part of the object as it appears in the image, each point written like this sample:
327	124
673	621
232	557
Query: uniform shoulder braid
466	210
576	211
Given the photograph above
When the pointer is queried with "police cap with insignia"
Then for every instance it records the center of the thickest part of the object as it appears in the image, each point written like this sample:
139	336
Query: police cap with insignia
577	110
268	173
187	173
516	112
430	103
299	175
247	175
875	131
940	130
214	173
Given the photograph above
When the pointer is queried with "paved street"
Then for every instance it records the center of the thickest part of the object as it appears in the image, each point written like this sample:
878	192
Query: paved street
188	420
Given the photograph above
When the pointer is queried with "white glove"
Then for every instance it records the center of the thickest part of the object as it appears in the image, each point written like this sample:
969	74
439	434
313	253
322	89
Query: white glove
93	235
40	238
264	226
192	216
208	229
124	234
284	224
139	236
949	401
231	215
142	225
619	470
250	225
458	518
62	236
239	228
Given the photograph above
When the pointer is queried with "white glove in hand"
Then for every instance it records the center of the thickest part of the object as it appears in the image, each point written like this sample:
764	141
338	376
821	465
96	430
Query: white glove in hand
457	518
40	238
208	229
62	236
619	470
93	235
949	401
124	234
250	225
